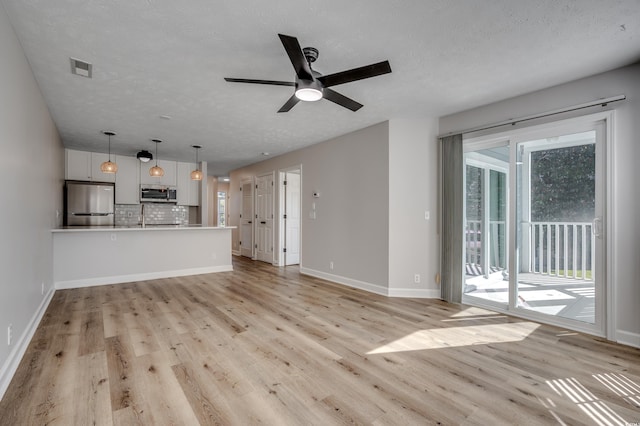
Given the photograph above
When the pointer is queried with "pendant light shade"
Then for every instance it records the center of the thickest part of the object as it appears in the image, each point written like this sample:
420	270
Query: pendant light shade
196	174
108	166
156	171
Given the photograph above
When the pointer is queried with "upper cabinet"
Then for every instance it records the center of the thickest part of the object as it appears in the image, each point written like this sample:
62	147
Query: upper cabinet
188	190
128	180
84	165
168	179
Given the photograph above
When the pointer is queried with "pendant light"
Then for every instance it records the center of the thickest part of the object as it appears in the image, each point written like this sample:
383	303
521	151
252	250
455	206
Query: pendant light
156	171
144	156
196	174
108	166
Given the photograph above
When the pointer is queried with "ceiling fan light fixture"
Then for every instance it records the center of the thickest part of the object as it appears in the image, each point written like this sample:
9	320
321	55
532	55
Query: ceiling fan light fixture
309	94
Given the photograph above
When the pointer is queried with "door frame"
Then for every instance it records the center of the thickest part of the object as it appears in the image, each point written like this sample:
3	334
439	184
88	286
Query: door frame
282	229
251	181
607	326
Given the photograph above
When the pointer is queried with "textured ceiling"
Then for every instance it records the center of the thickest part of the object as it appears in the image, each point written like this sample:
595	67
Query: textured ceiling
165	57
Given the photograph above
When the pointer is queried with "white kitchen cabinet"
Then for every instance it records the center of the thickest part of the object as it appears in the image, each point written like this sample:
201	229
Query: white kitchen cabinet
77	165
169	178
128	180
85	165
188	190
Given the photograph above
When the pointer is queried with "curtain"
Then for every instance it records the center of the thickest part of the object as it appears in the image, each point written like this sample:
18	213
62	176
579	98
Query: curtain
452	230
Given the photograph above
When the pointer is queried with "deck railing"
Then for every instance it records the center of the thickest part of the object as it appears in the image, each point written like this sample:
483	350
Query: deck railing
562	249
495	246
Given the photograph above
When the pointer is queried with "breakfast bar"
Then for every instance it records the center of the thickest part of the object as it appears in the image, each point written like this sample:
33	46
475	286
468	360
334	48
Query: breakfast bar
90	256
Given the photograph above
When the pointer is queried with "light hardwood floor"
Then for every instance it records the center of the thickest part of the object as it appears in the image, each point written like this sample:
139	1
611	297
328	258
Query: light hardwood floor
266	345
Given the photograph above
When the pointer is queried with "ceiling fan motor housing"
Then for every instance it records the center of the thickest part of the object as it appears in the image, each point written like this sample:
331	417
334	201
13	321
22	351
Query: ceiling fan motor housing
310	53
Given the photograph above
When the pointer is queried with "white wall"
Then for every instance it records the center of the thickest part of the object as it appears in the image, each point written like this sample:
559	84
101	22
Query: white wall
625	248
413	190
31	169
351	228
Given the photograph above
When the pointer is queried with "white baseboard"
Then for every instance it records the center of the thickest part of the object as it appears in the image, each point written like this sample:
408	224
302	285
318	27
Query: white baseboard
627	338
235	252
373	288
418	293
119	279
13	361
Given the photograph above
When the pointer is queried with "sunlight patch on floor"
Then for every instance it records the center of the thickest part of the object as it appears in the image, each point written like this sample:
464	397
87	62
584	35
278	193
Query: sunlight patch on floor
452	337
591	405
622	386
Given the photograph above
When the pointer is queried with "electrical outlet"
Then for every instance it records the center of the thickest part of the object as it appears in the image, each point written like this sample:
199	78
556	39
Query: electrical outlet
114	237
331	265
416	278
10	334
427	215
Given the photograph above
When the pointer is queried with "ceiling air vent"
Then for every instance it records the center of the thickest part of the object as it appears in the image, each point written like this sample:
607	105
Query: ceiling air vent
81	68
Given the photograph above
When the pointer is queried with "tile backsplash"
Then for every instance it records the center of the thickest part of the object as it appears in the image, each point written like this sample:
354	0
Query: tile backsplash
154	214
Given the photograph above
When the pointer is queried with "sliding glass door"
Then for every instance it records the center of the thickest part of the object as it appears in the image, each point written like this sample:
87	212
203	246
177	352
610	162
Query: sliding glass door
534	223
559	216
485	250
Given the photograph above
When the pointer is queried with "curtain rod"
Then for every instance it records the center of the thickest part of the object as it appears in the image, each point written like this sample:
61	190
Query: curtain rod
600	102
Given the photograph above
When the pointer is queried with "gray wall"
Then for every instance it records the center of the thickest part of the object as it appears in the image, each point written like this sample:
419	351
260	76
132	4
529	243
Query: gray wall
625	247
351	173
31	169
375	186
413	190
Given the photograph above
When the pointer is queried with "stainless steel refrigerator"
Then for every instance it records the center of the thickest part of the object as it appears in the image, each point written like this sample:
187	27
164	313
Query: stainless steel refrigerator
89	204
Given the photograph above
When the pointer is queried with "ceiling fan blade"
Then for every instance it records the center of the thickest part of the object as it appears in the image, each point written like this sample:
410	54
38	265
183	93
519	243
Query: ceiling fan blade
291	45
342	100
272	82
355	74
293	100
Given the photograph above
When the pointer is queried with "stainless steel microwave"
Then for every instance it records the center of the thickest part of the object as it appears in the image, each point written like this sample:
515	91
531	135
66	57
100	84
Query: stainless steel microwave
158	194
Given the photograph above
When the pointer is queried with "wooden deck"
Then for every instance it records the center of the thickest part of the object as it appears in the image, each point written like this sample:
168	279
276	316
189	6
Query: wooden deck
564	297
265	345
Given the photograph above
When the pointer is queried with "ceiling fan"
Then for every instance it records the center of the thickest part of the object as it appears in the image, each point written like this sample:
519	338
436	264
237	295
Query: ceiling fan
310	85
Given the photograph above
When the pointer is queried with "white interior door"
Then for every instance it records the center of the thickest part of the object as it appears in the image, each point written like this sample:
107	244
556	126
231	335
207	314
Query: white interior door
264	218
246	219
292	218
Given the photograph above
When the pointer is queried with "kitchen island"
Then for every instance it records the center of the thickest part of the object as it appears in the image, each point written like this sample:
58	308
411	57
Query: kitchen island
90	256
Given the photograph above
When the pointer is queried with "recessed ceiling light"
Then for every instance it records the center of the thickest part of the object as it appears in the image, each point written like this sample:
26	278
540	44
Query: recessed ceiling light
165	117
225	179
81	68
266	154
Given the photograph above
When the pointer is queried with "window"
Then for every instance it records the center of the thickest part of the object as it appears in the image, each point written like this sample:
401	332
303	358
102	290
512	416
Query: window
222	211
